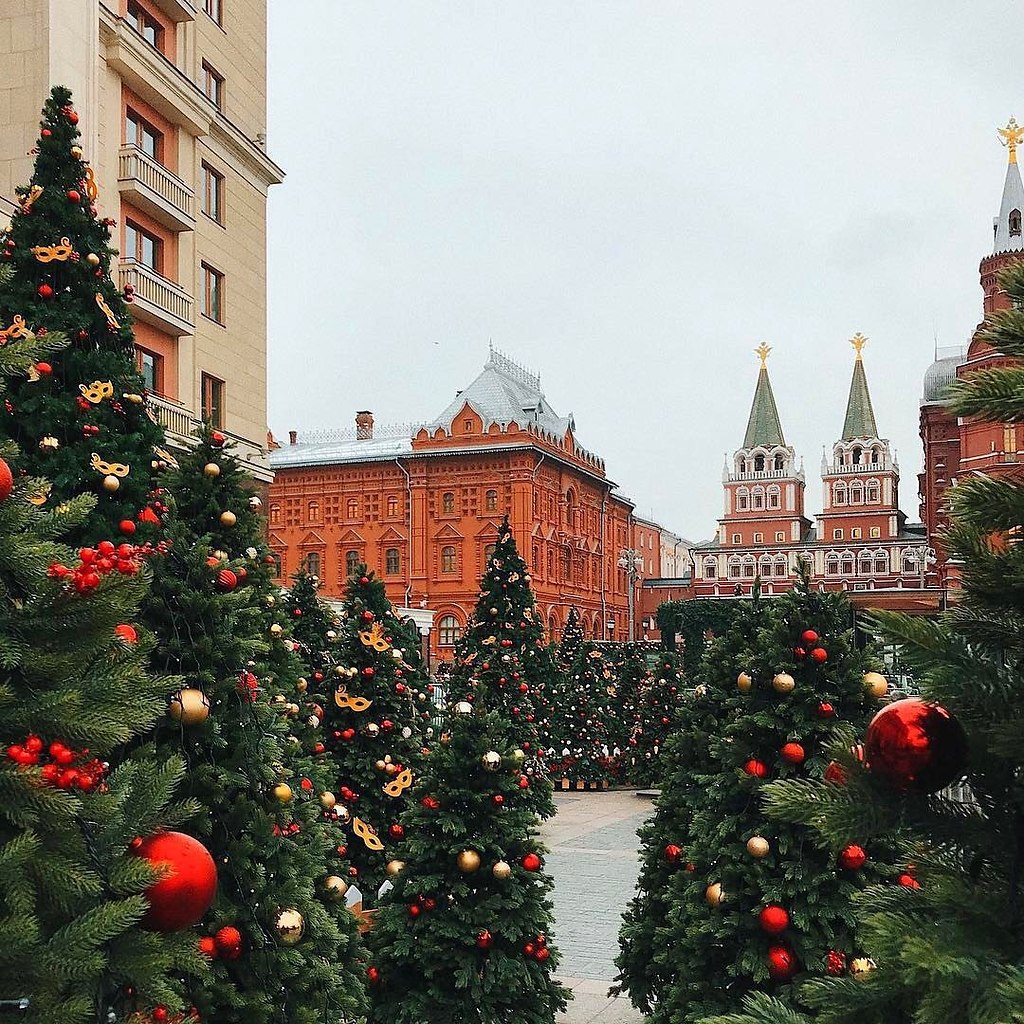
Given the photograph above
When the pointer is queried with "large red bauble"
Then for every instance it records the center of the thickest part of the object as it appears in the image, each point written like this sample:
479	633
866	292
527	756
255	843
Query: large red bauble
229	942
826	710
126	632
217	439
6	481
673	853
208	946
227	580
758	769
531	862
781	963
792	753
74	196
915	745
819	654
44	291
852	857
484	939
809	636
179	900
773	918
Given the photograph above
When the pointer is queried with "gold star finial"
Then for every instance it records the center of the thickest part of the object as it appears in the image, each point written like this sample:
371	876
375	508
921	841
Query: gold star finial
858	341
762	351
1012	135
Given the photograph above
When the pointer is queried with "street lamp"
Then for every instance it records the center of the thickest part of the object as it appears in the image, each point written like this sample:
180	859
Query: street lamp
632	562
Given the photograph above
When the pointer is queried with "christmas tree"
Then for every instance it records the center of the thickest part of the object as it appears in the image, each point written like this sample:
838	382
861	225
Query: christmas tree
503	653
314	627
633	683
377	722
465	932
572	641
659	708
281	942
754	904
81	419
941	942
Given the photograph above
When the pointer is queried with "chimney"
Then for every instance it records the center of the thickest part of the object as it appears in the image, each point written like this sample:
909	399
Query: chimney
364	425
293	436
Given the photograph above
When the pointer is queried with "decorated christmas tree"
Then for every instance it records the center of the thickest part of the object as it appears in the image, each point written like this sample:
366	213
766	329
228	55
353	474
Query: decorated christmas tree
314	627
503	653
632	686
572	641
755	904
942	772
81	419
281	943
658	714
465	932
377	723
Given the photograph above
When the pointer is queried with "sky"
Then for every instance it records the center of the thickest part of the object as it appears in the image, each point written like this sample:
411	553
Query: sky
628	197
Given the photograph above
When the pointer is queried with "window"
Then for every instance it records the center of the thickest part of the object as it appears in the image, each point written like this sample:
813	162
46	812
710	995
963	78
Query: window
467	426
448	559
147	26
277	565
213	293
1015	222
758	463
780	566
858	454
780	463
748	569
847	565
152	370
141	246
864	563
780	537
213	85
832	565
448	503
139	132
734	569
856	494
710	569
855	533
314	511
353	508
881	563
213	400
313	564
736	538
551	565
837	534
491	501
742	499
392	505
214	8
275	515
213	193
535	563
774	497
872	493
351	562
757	498
448	631
839	494
876	531
758	538
392	562
566	565
489	550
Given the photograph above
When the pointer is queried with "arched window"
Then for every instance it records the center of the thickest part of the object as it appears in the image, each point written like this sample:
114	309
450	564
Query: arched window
831	565
759	463
353	508
491	501
764	566
551	565
552	626
314	511
881	563
735	568
489	550
876	456
909	562
858	454
448	502
275	514
780	462
392	562
871	493
839	494
392	505
351	562
856	494
774	497
570	507
448	559
313	565
536	504
781	566
742	499
1015	222
749	565
846	569
710	568
277	565
864	563
535	563
566	565
448	631
757	498
743	466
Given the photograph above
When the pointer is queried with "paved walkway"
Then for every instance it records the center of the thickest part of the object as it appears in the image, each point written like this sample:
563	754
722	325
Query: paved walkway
594	863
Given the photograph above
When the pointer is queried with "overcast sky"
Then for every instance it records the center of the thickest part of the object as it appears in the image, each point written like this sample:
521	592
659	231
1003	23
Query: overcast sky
627	197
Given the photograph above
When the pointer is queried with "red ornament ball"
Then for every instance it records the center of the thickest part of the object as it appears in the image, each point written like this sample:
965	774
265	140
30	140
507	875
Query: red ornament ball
6	481
414	910
74	196
792	753
809	636
773	919
396	831
44	291
826	710
181	898
159	1014
367	616
373	975
208	946
908	881
852	857
915	745
227	580
484	939
531	862
46	133
217	439
126	633
799	652
673	853
364	581
781	963
835	772
835	963
229	942
755	768
819	654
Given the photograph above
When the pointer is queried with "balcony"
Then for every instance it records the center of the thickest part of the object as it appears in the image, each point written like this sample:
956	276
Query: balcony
158	301
147	184
177	10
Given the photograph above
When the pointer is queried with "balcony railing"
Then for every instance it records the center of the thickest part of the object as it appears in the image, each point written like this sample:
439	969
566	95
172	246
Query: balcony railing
158	301
147	184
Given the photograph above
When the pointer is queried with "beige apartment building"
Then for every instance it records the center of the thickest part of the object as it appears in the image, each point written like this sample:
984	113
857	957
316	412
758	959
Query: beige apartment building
172	99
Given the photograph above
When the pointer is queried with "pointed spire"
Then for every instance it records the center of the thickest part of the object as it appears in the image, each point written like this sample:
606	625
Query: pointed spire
763	427
860	416
1007	226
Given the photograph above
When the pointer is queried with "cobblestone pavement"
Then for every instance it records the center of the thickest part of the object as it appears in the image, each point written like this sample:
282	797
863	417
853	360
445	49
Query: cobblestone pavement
593	859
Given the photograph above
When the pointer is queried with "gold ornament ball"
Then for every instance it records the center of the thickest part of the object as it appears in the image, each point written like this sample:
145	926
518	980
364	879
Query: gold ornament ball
518	755
289	925
331	635
380	765
228	518
111	483
270	601
757	846
291	708
282	792
491	760
783	682
876	684
302	685
327	800
394	868
276	629
463	708
221	556
92	259
468	861
342	814
715	894
76	152
861	966
335	888
700	691
189	706
502	869
211	469
744	683
372	730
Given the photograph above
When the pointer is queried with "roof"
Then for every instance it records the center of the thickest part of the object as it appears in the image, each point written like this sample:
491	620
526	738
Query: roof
938	377
319	452
763	427
1013	200
860	417
504	392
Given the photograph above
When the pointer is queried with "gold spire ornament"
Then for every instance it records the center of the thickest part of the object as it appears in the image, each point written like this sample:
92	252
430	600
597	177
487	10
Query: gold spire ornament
1011	135
858	341
762	351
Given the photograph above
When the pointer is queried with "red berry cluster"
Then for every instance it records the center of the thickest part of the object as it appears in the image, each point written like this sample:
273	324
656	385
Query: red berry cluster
288	830
105	558
248	686
66	768
537	948
422	905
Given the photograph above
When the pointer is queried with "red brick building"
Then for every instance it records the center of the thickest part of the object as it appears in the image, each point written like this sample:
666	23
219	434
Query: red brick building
954	448
421	506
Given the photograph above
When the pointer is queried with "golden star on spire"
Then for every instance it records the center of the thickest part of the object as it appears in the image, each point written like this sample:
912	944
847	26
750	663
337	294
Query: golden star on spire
762	351
1012	135
858	341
